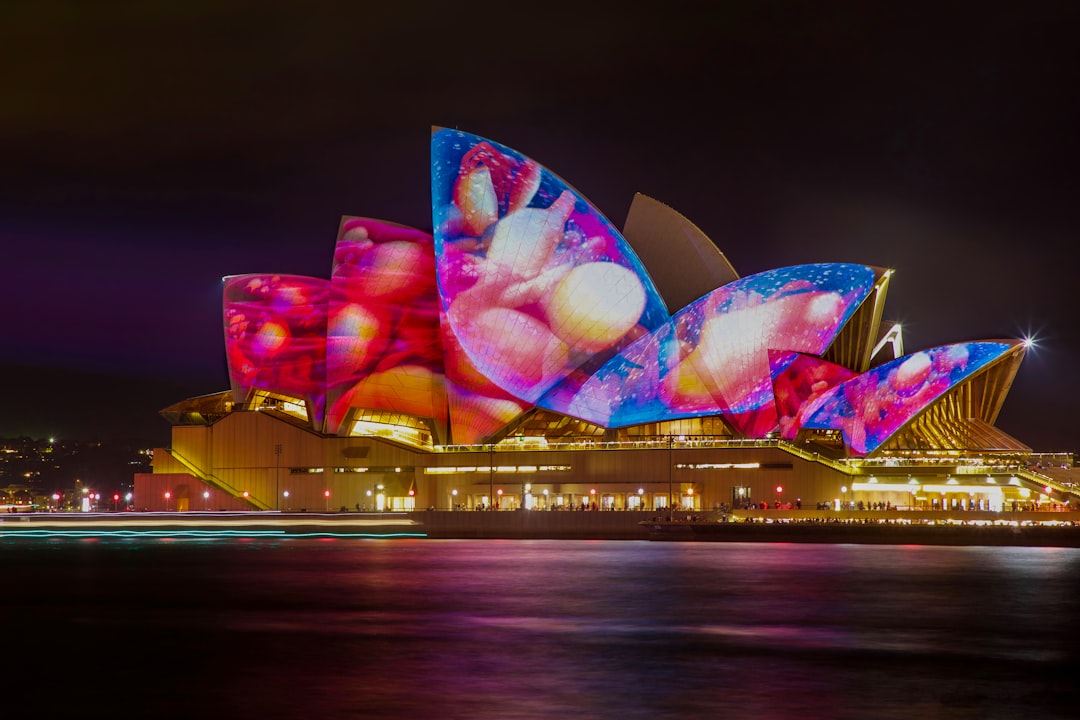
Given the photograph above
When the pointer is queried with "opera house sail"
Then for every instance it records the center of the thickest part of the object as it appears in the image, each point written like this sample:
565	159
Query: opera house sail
525	298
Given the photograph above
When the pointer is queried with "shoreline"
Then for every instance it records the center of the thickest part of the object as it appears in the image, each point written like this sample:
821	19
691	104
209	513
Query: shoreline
951	534
1032	529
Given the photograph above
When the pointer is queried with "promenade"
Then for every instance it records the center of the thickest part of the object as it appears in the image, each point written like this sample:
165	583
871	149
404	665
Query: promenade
1001	533
900	527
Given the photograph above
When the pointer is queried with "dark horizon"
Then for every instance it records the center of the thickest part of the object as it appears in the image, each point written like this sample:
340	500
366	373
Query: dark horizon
154	151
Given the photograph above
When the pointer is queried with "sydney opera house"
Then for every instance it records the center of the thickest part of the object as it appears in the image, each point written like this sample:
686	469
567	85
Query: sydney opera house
526	353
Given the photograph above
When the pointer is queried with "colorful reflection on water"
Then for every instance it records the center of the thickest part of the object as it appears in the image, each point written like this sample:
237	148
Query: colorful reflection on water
539	629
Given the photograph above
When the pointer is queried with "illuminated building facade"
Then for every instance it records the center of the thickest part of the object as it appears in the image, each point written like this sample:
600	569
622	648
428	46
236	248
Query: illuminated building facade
526	353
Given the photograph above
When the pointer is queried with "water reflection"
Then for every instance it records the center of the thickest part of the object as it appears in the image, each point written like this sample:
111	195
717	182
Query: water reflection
539	629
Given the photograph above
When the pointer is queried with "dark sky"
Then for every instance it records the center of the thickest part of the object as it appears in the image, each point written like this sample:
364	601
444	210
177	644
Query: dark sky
151	148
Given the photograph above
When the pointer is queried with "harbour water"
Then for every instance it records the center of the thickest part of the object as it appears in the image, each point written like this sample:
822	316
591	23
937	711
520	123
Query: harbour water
420	628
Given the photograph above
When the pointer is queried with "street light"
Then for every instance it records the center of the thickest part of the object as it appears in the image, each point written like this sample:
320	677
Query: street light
453	503
843	494
286	496
498	503
326	494
206	499
168	496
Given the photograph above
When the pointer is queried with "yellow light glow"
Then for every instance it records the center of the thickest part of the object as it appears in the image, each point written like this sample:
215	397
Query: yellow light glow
881	487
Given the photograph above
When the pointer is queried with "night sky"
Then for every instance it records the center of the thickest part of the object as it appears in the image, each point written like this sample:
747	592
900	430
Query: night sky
149	149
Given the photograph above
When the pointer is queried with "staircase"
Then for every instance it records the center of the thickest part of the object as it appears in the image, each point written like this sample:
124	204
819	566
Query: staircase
216	482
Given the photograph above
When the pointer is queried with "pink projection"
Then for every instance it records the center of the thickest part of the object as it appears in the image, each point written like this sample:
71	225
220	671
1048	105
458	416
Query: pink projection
797	380
869	408
383	347
713	357
275	338
535	283
526	297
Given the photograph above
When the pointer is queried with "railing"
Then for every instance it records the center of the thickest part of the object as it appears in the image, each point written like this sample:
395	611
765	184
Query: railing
963	468
214	480
1037	477
656	443
817	457
847	467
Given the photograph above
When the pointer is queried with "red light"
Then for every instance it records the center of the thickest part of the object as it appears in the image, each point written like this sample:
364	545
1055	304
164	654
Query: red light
115	497
779	489
592	491
168	495
326	494
411	491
